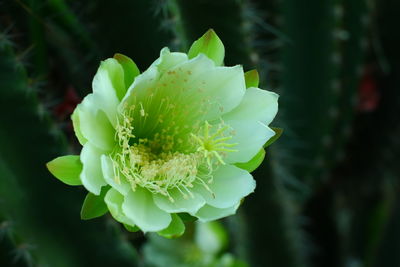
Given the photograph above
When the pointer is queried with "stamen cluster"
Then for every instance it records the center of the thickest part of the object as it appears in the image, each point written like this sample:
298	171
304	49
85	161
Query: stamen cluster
143	162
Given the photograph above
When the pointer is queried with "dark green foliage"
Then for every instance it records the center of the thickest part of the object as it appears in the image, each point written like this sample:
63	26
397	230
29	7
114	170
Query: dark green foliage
309	73
352	46
14	250
273	238
375	204
118	27
32	201
20	136
227	18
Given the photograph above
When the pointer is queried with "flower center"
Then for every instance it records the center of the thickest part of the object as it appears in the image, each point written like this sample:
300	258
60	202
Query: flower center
154	163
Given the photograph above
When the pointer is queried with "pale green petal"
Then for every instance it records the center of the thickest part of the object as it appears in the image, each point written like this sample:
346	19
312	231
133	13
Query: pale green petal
148	80
145	83
77	126
121	185
230	184
192	91
106	83
209	213
210	45
249	122
114	201
168	60
259	105
250	137
205	90
180	204
94	124
66	169
91	175
115	72
140	208
139	90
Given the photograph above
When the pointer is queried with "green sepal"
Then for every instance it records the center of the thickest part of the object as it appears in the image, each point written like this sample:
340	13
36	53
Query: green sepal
131	228
129	67
210	45
66	169
186	217
256	161
175	229
251	78
253	164
94	206
278	133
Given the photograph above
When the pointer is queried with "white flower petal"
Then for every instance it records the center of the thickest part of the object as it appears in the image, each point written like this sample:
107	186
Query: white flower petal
91	175
114	201
209	213
230	184
168	60
140	208
180	204
257	105
250	137
149	78
249	122
94	124
104	90
139	90
122	186
192	91
205	87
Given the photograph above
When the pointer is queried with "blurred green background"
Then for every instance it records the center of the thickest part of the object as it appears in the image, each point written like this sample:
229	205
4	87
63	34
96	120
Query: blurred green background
327	193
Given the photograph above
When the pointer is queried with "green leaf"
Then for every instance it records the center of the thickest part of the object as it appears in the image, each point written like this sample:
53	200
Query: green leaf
186	217
278	133
253	164
175	229
210	45
131	228
94	206
66	169
252	78
130	68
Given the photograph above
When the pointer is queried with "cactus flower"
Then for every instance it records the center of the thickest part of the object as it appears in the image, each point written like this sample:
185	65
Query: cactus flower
173	140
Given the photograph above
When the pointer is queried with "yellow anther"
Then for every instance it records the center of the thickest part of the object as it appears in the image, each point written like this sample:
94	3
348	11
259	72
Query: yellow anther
142	112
